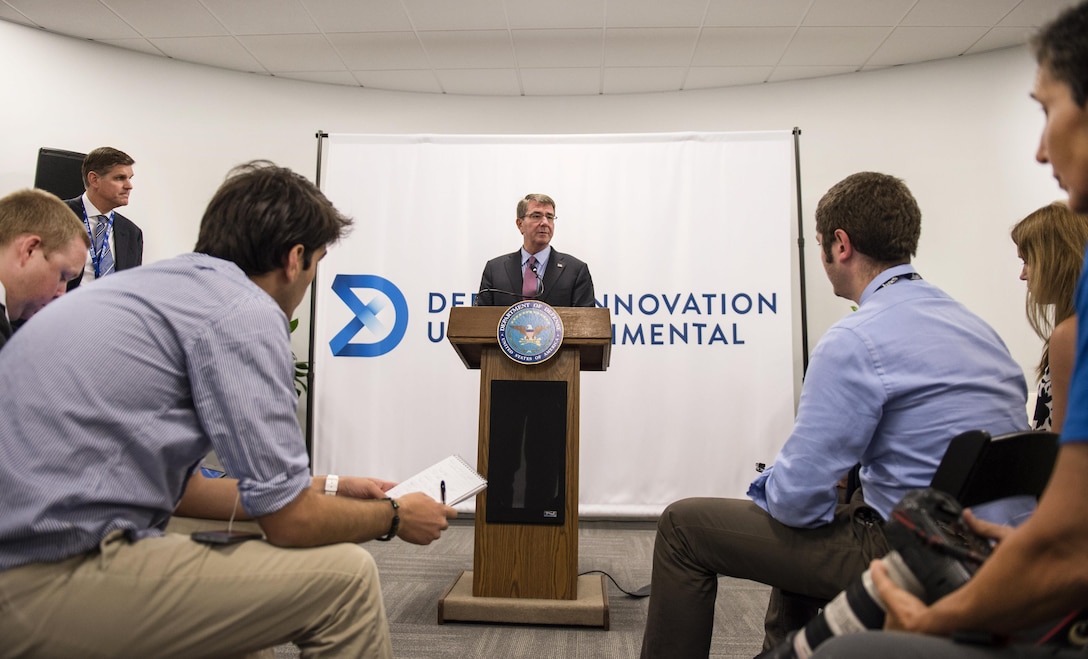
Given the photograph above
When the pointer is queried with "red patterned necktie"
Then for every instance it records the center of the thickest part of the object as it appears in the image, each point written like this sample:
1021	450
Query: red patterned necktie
530	283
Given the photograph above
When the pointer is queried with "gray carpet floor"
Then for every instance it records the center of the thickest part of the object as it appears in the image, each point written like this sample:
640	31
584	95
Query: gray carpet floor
414	578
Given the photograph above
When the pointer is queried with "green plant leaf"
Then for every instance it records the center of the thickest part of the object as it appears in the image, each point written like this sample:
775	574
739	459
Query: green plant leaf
302	369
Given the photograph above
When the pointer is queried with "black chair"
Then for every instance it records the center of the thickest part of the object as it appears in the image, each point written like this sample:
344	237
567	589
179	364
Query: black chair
978	468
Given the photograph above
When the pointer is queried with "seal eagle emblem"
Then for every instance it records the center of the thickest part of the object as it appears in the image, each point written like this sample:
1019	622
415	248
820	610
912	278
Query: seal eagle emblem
530	332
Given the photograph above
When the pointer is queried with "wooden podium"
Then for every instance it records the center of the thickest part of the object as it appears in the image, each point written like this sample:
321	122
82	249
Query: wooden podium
528	573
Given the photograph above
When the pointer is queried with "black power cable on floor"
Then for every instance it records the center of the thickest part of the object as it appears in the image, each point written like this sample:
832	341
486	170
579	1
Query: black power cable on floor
641	592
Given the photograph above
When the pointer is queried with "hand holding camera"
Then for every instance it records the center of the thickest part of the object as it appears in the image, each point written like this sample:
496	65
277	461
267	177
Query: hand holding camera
934	552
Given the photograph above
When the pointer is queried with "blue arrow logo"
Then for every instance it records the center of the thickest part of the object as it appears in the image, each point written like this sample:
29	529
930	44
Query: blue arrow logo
366	316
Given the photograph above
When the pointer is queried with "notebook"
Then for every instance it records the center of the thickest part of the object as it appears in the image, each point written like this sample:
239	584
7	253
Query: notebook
462	481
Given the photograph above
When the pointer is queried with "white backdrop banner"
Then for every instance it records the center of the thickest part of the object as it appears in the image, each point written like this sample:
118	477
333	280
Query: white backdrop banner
688	238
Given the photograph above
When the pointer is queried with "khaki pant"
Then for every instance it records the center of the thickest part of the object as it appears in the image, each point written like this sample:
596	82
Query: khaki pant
172	597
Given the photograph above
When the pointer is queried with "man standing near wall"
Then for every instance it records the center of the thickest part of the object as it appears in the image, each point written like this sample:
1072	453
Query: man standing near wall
887	387
117	243
42	247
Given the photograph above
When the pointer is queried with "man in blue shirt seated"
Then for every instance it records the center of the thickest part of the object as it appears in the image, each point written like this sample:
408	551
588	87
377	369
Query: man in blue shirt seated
887	387
101	442
1037	573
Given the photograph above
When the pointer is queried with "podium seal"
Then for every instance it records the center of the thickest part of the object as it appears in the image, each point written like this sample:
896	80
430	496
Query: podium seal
530	332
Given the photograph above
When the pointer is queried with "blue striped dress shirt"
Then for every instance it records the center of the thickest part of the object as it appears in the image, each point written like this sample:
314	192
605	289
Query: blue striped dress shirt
102	435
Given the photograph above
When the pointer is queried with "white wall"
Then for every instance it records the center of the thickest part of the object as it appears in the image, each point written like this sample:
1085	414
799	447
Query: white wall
961	132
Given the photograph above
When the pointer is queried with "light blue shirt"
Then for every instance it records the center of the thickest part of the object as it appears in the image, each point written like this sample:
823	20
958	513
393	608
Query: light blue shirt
888	386
102	435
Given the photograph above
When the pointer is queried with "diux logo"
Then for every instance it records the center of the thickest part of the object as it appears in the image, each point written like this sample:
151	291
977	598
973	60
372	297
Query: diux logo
367	316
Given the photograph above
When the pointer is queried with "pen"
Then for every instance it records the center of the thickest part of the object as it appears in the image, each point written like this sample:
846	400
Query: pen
442	488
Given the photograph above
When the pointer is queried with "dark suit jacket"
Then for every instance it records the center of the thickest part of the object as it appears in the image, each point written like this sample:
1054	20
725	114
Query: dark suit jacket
567	282
5	330
128	240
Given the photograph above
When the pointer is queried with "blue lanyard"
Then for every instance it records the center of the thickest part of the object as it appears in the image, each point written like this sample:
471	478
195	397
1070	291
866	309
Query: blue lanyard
96	254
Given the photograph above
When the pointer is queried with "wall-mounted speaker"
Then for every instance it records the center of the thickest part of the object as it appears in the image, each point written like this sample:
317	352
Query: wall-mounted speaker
59	172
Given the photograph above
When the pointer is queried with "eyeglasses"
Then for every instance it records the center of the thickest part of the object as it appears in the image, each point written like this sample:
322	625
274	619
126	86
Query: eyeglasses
538	217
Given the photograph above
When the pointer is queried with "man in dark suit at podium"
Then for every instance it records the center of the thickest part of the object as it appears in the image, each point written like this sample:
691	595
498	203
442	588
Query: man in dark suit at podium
117	243
528	433
536	271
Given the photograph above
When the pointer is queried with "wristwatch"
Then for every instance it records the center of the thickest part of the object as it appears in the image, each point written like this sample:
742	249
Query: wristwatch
332	484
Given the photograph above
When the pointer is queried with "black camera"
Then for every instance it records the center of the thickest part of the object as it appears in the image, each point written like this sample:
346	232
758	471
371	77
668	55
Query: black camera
933	553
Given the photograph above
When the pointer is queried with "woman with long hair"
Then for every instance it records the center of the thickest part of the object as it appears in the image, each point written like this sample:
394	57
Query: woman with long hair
1051	242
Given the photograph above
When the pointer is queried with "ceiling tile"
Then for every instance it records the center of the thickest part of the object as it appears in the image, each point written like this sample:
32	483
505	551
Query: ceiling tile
456	14
264	17
783	73
177	18
524	14
843	13
741	13
293	52
561	82
822	46
139	45
469	49
741	46
558	48
963	13
224	52
12	16
1001	37
480	82
636	80
655	13
664	47
356	16
709	77
918	44
78	18
343	78
402	81
380	50
1035	13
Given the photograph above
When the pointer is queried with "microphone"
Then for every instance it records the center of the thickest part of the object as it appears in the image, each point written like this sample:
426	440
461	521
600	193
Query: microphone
476	298
518	296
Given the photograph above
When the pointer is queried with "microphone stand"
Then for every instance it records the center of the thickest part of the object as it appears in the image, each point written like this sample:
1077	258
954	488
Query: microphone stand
534	296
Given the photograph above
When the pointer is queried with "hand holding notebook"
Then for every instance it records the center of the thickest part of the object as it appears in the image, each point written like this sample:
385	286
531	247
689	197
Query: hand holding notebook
461	481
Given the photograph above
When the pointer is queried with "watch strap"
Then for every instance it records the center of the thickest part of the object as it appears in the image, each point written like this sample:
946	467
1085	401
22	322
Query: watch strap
396	521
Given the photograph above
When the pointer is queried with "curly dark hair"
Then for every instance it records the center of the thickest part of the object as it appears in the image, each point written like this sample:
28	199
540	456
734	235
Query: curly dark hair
261	212
877	211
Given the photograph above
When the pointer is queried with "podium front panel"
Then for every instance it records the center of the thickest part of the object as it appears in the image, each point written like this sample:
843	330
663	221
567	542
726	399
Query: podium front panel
515	559
526	469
